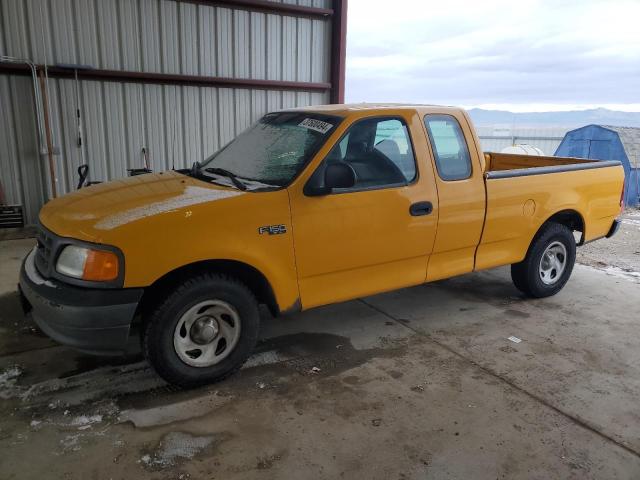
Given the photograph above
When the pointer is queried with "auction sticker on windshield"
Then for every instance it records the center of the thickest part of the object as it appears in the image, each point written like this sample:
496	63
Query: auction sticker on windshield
317	125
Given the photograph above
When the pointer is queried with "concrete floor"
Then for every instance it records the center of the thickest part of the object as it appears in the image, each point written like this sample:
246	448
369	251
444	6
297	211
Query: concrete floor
418	383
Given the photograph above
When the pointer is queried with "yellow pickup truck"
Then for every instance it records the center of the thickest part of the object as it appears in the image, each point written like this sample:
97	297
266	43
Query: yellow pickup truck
307	207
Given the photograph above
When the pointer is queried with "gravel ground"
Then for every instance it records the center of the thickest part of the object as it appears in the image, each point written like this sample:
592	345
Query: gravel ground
622	251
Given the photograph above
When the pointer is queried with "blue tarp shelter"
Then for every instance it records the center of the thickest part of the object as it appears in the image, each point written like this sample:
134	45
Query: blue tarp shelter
604	142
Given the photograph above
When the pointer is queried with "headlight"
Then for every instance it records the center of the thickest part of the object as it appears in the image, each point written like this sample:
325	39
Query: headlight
87	263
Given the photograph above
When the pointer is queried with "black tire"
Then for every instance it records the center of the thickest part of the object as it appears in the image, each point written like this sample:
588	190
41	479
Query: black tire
526	276
160	326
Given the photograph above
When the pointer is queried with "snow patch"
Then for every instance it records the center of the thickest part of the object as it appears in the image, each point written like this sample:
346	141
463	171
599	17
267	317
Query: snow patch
192	196
176	446
629	275
8	379
631	221
10	374
87	386
84	420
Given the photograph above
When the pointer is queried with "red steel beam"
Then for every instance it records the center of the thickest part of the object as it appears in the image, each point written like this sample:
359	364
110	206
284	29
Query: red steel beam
338	50
268	7
169	78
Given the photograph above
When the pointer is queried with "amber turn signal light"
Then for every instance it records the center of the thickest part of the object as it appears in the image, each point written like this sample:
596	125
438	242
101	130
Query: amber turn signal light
100	265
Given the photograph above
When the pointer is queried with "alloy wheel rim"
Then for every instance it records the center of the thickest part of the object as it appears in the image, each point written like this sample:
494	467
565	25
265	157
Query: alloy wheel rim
553	263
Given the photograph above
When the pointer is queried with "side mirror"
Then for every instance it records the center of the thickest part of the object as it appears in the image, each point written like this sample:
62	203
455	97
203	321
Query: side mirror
339	175
336	175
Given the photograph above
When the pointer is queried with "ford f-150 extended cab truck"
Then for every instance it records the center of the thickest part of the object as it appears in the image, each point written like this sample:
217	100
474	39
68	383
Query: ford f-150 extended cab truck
305	208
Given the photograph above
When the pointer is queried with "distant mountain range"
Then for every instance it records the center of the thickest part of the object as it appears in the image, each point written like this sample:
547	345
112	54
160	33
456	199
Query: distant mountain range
575	118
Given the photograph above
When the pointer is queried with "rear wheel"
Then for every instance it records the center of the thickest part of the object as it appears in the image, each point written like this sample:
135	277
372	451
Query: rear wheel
548	264
203	331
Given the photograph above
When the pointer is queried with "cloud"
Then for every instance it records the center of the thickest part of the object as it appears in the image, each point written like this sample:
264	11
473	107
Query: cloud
494	52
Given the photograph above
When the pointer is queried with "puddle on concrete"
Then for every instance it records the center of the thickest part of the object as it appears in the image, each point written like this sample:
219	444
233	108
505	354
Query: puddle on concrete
137	395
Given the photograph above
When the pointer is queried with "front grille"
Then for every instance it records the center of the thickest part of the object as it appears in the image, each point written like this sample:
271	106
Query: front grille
44	252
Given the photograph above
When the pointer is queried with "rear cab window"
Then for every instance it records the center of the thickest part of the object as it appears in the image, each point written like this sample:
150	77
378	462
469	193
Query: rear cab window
450	149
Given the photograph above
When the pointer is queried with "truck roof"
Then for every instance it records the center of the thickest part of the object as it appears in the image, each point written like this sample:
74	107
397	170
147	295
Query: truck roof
344	109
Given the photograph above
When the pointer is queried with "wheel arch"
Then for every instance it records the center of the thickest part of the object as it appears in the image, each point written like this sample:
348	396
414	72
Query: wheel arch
253	278
571	218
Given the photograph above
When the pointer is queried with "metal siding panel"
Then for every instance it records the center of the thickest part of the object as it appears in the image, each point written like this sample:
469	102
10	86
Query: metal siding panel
10	160
150	35
258	104
226	119
94	130
71	156
2	31
173	104
130	33
88	52
274	47
210	133
192	128
16	28
30	165
288	48
318	51
134	124
108	34
259	55
319	98
304	50
224	42
274	101
189	38
39	28
174	122
170	40
116	131
242	110
241	44
63	28
303	99
289	99
155	120
207	43
55	111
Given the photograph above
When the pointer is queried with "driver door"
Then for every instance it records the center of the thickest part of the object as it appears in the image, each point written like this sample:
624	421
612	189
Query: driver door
371	237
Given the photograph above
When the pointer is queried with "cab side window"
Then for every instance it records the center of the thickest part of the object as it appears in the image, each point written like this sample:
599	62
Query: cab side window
380	152
453	161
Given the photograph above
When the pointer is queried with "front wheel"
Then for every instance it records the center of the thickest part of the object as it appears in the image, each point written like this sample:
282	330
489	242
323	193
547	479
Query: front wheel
548	264
203	331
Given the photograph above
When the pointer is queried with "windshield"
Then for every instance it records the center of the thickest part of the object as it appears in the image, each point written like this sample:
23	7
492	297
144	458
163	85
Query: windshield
276	148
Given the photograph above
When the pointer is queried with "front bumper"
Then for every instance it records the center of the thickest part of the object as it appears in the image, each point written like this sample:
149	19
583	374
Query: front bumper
90	319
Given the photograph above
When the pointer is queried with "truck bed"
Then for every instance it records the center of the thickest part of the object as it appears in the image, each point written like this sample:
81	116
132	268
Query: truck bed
503	165
521	189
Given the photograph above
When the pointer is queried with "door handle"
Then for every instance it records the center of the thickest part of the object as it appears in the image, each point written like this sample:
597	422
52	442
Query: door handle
421	208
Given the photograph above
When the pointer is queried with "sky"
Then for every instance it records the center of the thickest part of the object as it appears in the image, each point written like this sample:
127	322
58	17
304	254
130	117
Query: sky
517	55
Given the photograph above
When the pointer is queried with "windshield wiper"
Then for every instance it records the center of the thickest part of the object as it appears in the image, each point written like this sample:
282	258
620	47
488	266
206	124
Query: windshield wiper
228	174
196	168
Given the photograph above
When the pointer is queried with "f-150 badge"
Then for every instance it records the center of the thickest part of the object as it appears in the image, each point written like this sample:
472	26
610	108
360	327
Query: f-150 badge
273	229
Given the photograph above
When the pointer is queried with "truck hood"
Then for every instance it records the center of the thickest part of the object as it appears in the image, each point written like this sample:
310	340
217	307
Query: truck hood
95	212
